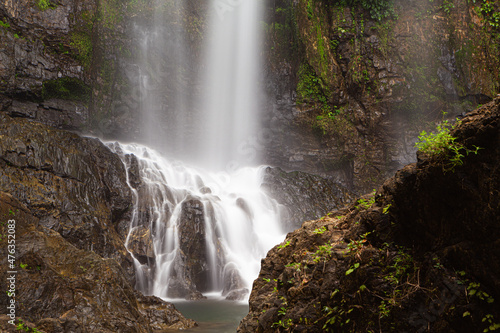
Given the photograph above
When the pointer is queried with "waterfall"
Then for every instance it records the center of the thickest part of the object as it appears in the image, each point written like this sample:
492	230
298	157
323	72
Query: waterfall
194	231
201	225
230	105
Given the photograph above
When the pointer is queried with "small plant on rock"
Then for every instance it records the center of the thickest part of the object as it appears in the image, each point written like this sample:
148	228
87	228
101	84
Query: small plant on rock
444	146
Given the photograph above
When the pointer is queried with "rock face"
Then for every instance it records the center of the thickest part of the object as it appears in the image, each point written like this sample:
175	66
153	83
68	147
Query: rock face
305	196
423	248
42	74
61	288
74	185
71	201
350	91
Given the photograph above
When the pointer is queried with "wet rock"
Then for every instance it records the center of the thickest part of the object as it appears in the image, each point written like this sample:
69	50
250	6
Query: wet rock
233	283
60	288
134	176
192	238
162	315
140	244
74	185
306	196
237	294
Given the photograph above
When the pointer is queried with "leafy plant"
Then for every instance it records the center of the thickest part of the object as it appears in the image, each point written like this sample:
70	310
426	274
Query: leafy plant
490	321
311	88
324	252
474	290
283	323
295	265
366	203
4	25
357	245
352	268
282	246
320	231
45	4
443	145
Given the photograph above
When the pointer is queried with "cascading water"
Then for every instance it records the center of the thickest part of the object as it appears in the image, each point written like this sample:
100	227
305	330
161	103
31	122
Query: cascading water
195	231
207	231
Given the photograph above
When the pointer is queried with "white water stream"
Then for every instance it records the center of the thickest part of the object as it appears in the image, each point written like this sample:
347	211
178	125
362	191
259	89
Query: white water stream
238	224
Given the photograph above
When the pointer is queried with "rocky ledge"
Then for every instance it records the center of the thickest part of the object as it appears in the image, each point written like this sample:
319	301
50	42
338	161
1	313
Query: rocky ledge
70	202
419	255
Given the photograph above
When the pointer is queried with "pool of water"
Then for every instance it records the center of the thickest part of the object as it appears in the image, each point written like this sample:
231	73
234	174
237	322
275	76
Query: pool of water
213	315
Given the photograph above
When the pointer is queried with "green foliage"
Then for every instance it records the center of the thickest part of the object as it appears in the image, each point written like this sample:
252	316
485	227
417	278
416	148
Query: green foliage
311	88
337	315
366	203
443	145
323	252
4	25
20	326
295	265
45	4
310	9
378	9
66	88
352	268
490	321
354	246
283	323
320	231
490	13
282	246
82	43
474	289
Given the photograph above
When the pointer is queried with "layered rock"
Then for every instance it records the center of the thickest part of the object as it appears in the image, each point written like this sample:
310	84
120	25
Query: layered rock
75	186
304	196
60	288
43	76
421	254
70	199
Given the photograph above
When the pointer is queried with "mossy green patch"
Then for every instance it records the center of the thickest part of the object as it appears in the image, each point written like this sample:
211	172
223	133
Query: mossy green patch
311	88
82	43
66	88
45	4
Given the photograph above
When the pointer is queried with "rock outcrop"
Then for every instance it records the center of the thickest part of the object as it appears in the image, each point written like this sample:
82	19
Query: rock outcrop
75	186
419	255
60	288
304	196
71	203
